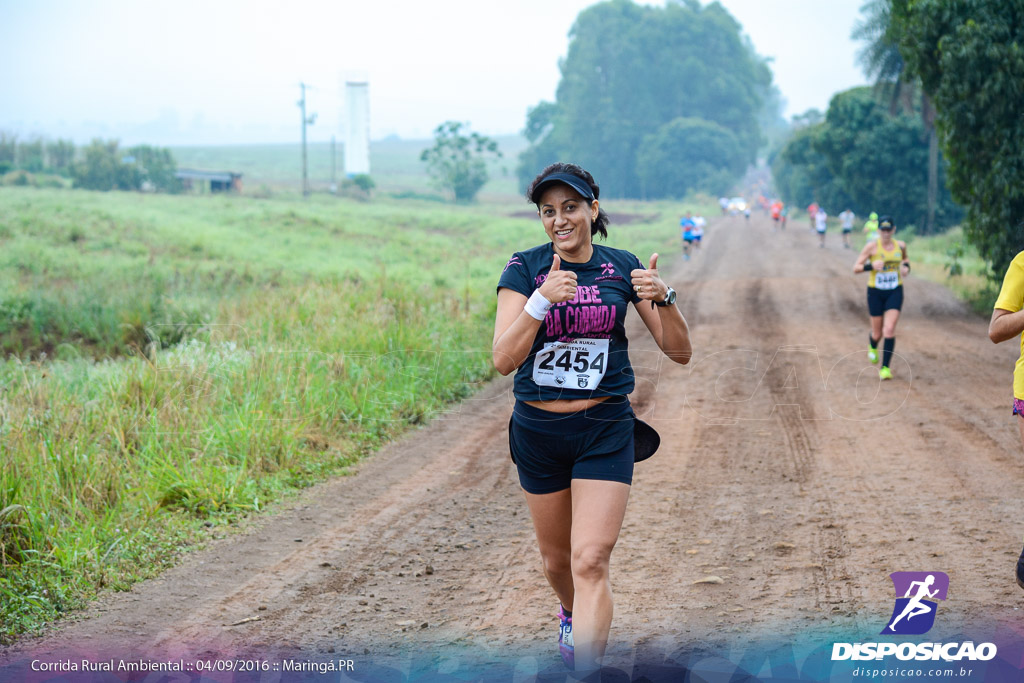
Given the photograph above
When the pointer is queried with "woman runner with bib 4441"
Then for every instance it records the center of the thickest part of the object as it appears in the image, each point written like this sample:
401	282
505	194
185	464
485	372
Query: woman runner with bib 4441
886	260
560	326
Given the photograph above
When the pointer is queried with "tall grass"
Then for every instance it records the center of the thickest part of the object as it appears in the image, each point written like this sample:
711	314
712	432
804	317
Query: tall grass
176	362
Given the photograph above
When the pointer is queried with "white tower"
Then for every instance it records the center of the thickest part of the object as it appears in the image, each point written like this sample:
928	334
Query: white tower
357	127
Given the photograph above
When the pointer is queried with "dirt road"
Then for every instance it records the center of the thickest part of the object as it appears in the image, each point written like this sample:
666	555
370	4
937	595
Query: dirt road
786	471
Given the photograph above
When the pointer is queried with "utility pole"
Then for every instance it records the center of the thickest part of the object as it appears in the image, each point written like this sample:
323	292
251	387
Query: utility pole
310	120
334	185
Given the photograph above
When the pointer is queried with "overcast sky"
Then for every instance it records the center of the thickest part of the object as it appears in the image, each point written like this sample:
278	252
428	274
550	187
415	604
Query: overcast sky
217	72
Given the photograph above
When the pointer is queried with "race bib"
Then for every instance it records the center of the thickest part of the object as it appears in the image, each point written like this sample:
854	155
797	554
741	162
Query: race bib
887	280
576	364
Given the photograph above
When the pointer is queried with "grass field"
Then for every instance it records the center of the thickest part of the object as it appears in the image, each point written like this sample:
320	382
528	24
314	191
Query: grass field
173	362
394	166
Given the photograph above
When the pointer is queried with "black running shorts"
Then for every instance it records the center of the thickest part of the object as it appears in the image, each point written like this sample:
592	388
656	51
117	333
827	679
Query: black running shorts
552	449
882	300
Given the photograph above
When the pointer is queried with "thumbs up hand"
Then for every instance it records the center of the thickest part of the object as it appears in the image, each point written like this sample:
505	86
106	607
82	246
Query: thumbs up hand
647	283
560	285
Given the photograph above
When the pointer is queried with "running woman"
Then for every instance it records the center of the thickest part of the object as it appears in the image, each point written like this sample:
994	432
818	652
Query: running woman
1007	323
560	327
846	219
888	263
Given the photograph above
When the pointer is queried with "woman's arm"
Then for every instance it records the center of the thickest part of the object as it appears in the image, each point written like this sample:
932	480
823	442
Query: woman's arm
905	262
669	329
1005	325
866	253
665	323
514	328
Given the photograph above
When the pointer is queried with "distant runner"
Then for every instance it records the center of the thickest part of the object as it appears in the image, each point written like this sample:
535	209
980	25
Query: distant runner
688	225
871	227
820	218
1007	323
724	203
812	209
776	212
698	230
846	219
887	261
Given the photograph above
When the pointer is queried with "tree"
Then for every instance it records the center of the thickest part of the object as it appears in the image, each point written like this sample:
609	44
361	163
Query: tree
970	58
631	69
882	60
30	155
864	158
8	151
102	168
457	161
155	166
689	154
801	172
60	155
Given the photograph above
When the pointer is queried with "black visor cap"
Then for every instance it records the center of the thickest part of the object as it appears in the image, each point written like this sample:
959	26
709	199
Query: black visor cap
575	182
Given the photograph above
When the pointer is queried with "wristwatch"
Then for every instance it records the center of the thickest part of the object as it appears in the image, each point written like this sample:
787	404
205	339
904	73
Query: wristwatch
670	298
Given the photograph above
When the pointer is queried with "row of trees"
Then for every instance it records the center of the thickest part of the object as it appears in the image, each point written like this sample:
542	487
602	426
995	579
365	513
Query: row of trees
969	60
102	165
863	156
654	101
957	68
35	155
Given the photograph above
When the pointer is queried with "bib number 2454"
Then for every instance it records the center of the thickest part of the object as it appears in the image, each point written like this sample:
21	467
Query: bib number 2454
576	364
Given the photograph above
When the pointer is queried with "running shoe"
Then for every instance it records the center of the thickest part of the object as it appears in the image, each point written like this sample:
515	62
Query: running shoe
872	355
884	373
565	637
1020	570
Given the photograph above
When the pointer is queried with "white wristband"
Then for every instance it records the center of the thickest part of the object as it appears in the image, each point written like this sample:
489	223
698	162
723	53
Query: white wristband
537	305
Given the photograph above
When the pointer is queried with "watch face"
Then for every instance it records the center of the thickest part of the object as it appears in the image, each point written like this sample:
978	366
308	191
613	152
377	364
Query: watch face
671	298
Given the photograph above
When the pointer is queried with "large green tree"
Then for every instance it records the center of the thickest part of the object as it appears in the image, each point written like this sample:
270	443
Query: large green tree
969	55
630	70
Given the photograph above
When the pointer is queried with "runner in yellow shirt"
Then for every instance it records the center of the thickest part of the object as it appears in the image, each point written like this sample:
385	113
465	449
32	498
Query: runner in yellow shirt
871	227
1007	323
887	261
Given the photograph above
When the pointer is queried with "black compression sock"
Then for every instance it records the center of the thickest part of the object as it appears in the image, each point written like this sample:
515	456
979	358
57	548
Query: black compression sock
872	341
887	346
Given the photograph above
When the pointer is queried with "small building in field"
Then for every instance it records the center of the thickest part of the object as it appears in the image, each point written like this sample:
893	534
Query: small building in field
212	181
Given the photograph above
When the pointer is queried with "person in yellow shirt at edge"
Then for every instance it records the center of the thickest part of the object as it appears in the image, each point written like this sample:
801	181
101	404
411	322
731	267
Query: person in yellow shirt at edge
1007	323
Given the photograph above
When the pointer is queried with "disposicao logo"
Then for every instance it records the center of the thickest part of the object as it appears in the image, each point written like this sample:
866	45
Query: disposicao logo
914	613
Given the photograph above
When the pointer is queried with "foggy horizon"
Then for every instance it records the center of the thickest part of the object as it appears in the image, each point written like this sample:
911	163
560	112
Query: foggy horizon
154	75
